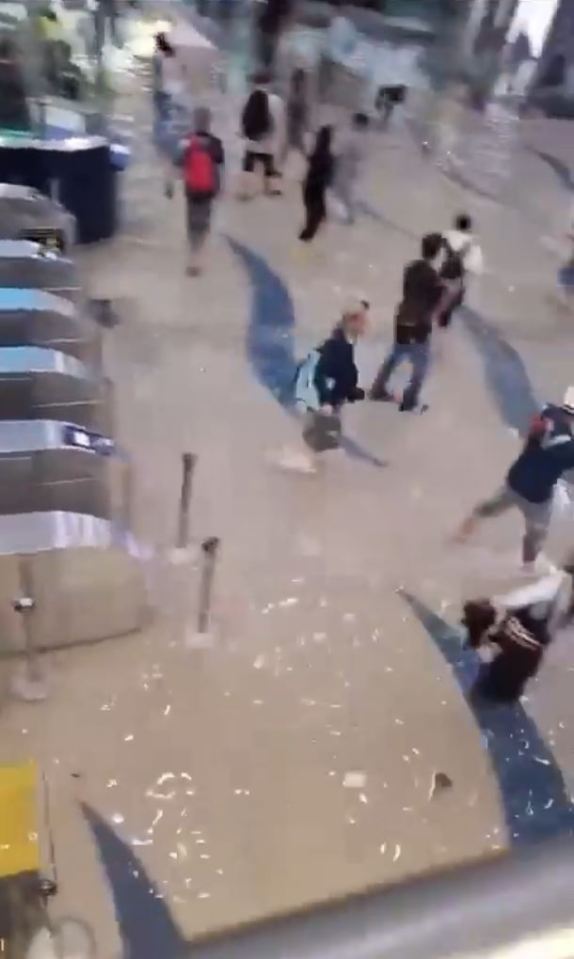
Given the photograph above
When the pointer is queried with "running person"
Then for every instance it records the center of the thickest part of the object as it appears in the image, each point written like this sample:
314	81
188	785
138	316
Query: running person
202	168
532	478
319	177
422	289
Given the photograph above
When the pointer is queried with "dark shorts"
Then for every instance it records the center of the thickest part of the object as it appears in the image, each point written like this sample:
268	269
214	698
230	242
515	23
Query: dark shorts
252	159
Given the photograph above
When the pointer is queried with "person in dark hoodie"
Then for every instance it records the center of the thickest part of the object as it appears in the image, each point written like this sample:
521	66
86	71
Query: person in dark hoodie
532	478
318	179
325	381
422	291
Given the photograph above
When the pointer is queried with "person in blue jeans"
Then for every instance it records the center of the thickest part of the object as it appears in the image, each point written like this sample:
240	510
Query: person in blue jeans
422	290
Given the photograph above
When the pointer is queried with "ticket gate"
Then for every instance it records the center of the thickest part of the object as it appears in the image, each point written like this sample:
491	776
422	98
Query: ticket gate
37	383
26	214
36	318
30	265
84	573
46	465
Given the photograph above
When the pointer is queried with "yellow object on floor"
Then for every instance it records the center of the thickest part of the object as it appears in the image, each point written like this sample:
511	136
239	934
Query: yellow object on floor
19	847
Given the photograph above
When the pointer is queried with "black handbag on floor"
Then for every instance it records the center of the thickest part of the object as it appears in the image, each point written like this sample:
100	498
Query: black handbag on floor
322	431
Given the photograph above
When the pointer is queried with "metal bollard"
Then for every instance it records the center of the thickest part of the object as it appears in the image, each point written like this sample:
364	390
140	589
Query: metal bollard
28	684
209	553
188	461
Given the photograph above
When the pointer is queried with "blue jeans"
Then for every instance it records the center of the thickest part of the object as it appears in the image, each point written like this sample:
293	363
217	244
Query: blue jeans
418	355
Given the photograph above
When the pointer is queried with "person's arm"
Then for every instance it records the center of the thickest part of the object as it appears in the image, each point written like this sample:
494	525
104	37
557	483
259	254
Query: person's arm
474	260
326	373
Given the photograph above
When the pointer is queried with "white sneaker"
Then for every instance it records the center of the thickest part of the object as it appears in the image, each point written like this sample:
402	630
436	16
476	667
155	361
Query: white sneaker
296	462
542	566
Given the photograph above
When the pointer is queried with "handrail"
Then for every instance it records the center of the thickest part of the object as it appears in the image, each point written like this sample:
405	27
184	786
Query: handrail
516	906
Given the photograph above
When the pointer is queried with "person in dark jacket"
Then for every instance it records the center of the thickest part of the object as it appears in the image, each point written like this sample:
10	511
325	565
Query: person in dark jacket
422	290
532	478
326	381
318	179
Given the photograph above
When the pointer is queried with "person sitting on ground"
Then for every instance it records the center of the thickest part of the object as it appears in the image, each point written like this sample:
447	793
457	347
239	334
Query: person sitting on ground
422	289
462	255
519	626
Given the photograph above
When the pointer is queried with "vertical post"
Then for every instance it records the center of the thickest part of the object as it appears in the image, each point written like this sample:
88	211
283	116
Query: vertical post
209	553
188	461
28	684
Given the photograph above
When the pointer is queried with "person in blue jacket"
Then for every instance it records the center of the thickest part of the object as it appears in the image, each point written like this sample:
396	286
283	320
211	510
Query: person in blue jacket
532	478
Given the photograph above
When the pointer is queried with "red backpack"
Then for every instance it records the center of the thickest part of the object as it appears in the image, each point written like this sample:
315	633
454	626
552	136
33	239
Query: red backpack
199	169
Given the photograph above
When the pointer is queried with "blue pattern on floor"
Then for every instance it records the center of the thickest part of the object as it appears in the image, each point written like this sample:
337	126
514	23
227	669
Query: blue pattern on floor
504	371
146	926
270	338
536	802
561	169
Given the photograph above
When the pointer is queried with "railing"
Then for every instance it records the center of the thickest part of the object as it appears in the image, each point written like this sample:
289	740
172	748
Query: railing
519	906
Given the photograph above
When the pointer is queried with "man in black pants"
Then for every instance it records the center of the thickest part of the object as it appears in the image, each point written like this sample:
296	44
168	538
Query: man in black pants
318	179
422	290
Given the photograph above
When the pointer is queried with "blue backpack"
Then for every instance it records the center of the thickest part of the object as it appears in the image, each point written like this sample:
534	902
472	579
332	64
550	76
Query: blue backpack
306	394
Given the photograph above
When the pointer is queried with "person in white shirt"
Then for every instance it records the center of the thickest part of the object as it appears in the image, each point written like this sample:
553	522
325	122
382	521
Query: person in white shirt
263	128
462	256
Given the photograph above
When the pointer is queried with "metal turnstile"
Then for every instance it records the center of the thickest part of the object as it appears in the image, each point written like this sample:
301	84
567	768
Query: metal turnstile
36	318
37	383
27	264
86	579
26	214
47	466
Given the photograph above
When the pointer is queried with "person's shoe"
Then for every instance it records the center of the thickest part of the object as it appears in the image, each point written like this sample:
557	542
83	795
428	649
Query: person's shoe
407	406
193	271
296	462
382	396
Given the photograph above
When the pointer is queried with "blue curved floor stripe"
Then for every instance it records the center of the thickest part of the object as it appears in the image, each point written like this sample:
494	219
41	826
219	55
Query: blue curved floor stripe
561	169
146	925
534	795
270	338
504	371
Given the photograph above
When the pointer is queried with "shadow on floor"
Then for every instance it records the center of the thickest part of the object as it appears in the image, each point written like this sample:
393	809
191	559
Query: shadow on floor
536	803
270	338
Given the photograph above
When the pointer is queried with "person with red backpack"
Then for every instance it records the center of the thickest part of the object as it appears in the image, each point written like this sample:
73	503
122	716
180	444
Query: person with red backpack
202	167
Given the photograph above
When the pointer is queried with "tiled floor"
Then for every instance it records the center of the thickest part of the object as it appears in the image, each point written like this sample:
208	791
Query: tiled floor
214	782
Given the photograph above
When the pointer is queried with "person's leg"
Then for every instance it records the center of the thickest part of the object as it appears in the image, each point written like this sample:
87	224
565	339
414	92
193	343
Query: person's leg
537	518
379	390
502	500
419	355
198	224
270	174
245	191
315	214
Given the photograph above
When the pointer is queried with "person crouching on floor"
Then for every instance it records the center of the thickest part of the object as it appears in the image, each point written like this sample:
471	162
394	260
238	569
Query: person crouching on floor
518	626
